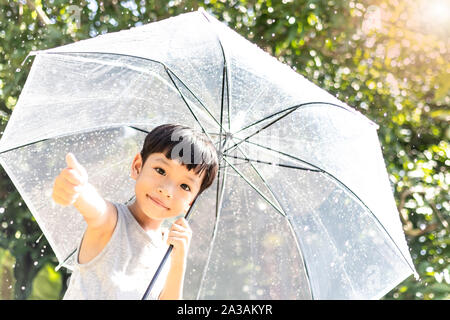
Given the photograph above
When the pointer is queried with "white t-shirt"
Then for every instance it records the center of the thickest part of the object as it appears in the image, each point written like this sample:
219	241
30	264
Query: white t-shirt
125	266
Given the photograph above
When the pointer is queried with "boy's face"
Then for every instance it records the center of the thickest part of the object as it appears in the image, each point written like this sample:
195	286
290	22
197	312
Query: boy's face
164	180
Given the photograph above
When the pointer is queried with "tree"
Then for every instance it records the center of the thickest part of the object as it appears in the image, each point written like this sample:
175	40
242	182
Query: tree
377	56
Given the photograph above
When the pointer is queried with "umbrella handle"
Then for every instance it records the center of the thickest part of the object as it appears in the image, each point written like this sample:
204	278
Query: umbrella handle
163	261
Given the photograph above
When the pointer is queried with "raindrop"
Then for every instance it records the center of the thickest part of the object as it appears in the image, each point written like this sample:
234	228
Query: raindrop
22	287
2	210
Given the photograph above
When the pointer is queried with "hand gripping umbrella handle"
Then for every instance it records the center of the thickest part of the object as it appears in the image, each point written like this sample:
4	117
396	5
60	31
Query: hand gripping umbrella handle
163	261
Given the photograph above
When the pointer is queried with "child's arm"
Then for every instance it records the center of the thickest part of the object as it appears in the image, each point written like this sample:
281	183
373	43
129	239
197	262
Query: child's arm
71	187
180	237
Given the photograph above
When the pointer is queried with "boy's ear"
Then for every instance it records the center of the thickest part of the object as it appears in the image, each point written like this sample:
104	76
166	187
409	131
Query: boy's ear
136	166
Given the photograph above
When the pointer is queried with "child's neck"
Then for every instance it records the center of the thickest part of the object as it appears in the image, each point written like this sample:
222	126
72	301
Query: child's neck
147	223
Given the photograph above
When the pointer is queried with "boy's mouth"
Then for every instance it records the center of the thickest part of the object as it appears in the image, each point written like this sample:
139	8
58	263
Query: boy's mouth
157	202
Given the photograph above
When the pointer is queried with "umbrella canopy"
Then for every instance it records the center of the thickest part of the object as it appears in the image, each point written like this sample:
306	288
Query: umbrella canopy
302	207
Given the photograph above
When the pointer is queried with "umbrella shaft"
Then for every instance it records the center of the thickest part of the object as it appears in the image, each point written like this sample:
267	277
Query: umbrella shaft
161	265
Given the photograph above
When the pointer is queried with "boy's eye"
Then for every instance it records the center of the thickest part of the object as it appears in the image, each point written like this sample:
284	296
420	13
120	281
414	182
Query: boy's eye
162	172
188	188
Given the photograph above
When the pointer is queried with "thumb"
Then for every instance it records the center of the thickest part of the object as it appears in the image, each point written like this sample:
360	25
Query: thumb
73	163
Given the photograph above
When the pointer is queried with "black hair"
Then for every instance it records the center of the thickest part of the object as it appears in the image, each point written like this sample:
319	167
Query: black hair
200	155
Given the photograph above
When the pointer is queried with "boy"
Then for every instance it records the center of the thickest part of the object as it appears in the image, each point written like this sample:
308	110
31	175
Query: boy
123	245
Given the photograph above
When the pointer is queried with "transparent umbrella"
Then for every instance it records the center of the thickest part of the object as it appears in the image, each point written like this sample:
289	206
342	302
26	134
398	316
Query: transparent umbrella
302	207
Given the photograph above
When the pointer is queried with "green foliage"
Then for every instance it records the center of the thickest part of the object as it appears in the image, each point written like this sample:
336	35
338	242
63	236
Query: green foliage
47	284
6	275
394	70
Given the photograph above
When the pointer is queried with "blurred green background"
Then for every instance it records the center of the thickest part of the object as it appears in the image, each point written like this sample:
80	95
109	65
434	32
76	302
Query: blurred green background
389	59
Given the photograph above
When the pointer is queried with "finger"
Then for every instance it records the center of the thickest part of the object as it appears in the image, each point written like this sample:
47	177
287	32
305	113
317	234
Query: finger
64	192
178	234
67	185
182	222
177	227
175	241
72	176
73	163
66	195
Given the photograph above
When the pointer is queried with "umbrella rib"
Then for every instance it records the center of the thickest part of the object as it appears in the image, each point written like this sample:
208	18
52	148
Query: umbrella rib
248	160
67	258
287	112
266	126
143	58
196	98
225	77
287	155
294	234
224	70
219	190
218	202
296	238
255	188
295	107
75	132
189	107
228	88
219	199
348	189
264	180
300	250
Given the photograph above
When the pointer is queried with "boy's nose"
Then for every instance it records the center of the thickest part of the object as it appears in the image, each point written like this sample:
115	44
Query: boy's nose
165	192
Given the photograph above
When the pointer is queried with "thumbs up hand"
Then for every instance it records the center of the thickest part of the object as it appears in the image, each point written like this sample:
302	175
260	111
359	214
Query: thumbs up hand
70	183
